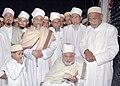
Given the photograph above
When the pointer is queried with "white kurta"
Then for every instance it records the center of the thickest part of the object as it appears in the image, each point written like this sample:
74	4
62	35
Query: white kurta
58	71
13	33
37	70
5	53
70	35
102	41
16	73
59	42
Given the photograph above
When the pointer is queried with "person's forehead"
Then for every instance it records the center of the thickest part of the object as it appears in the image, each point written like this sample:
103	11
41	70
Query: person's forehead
75	14
8	14
93	14
38	17
23	19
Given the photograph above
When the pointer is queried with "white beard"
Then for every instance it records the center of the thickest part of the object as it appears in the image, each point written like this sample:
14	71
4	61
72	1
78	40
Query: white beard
76	27
68	64
38	27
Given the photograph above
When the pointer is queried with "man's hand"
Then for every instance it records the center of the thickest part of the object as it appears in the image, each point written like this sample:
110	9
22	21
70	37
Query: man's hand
73	79
37	53
3	77
89	56
20	61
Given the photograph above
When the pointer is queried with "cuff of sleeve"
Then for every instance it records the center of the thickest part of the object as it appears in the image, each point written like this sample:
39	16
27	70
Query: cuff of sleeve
1	73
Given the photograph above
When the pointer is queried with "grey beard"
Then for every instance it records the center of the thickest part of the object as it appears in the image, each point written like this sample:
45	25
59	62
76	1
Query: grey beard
38	27
68	64
57	29
76	27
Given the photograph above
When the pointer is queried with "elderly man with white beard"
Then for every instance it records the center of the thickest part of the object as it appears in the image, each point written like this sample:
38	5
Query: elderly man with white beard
66	71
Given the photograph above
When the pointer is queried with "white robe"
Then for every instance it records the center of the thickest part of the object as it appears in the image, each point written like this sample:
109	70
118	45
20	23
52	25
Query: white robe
16	73
58	71
13	33
59	42
70	35
102	42
5	53
37	70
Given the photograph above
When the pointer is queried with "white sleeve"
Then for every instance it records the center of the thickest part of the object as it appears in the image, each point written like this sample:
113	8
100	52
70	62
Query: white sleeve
111	51
28	54
48	52
13	69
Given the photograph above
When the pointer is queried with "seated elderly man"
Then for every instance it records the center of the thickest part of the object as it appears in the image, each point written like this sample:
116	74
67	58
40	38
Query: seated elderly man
66	71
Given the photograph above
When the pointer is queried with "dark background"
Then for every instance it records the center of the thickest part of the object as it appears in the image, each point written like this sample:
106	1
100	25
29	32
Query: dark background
48	6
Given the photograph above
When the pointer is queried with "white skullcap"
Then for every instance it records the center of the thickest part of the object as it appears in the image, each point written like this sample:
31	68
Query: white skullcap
76	10
16	20
95	10
46	17
68	48
15	48
61	15
1	19
54	15
67	13
8	10
38	12
84	20
23	14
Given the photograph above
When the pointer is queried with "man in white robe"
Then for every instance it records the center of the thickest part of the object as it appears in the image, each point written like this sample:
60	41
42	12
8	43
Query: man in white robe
99	48
66	71
15	68
58	33
4	55
74	33
13	33
35	39
23	20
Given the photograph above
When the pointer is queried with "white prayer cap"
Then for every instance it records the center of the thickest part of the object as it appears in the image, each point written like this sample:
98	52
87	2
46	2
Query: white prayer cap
23	14
1	19
38	12
76	10
8	10
54	15
84	21
95	10
16	20
61	15
67	13
16	47
46	17
68	48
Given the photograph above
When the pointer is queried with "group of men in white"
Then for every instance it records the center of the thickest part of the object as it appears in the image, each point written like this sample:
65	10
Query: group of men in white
73	55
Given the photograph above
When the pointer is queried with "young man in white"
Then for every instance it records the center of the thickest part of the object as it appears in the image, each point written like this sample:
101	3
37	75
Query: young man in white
58	33
23	20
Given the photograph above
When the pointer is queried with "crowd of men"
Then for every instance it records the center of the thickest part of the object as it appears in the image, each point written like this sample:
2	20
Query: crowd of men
63	50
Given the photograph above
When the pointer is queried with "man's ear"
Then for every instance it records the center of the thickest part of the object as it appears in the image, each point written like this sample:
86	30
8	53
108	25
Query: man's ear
101	16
